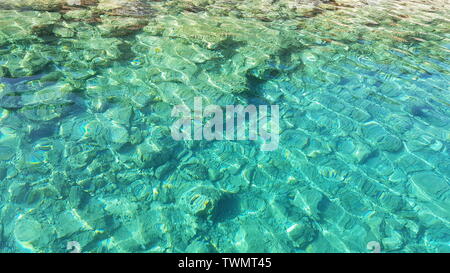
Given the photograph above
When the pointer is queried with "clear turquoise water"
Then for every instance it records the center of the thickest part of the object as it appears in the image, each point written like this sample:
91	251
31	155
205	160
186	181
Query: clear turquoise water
86	153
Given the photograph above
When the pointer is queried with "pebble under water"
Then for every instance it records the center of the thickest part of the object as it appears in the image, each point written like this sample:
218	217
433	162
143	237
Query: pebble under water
87	156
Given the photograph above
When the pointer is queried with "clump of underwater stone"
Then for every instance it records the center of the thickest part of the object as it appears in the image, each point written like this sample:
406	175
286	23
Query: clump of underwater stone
302	233
48	5
250	49
309	201
156	149
49	103
201	201
29	64
63	32
78	15
30	233
361	153
114	26
26	25
124	7
91	51
194	171
6	153
199	246
76	196
3	73
3	173
8	143
264	10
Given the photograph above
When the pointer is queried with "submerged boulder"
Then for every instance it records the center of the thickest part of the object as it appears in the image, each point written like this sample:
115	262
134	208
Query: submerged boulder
201	201
124	7
26	25
302	233
114	26
49	5
32	234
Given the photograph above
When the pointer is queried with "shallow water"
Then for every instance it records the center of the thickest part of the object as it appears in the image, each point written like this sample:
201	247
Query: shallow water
86	153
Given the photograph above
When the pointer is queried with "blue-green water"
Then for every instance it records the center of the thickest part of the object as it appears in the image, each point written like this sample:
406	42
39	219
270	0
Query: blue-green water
87	156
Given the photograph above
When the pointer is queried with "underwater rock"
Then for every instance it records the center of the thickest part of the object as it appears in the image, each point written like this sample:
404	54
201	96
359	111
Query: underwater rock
78	15
80	155
234	183
178	70
127	238
436	146
397	176
430	183
437	235
345	145
117	6
390	143
205	31
63	32
256	236
165	170
91	52
399	123
392	243
6	153
119	206
214	174
9	137
76	196
49	5
156	149
124	7
136	135
141	190
119	114
250	48
410	164
27	231
67	224
25	25
31	234
194	171
58	93
266	10
118	133
308	201
201	201
74	129
199	246
120	26
424	142
378	136
302	233
30	64
10	100
20	193
95	216
3	73
391	201
43	112
3	173
421	110
98	104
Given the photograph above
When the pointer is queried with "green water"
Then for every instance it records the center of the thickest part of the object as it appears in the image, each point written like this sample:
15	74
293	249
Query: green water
87	156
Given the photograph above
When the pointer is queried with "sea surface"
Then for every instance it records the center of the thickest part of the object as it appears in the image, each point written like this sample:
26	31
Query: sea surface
87	158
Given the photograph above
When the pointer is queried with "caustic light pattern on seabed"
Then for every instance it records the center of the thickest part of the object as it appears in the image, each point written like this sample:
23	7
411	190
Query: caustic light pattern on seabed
86	153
